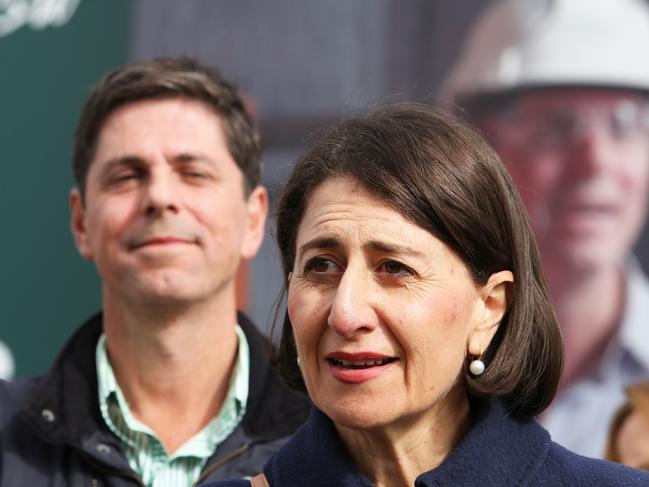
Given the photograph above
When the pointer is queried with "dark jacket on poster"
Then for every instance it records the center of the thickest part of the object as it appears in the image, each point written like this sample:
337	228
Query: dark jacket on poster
52	432
499	450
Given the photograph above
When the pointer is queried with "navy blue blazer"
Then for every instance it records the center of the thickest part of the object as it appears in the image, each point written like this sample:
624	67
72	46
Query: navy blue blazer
499	450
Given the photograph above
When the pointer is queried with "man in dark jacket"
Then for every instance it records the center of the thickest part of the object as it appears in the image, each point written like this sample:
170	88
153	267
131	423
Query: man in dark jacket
169	385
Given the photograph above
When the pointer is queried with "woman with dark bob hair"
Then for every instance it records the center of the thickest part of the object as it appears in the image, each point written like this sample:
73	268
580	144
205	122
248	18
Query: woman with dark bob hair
417	317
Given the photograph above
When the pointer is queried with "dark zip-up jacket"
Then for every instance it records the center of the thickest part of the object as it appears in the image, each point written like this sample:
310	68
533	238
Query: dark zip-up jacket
52	432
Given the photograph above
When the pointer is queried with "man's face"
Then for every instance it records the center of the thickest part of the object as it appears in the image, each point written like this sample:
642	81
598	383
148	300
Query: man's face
580	159
165	217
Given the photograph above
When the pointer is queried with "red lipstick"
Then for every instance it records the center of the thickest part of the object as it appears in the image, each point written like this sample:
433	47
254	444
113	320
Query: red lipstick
355	368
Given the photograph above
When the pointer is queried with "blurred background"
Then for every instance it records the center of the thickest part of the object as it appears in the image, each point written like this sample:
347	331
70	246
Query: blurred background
302	64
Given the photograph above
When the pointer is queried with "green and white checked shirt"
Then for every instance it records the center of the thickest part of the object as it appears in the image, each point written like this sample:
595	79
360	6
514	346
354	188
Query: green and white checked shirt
145	452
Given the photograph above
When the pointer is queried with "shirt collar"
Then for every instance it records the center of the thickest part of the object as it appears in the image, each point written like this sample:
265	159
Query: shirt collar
633	336
117	414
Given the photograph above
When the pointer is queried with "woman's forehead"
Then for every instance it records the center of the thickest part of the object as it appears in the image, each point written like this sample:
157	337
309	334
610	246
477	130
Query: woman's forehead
340	204
337	217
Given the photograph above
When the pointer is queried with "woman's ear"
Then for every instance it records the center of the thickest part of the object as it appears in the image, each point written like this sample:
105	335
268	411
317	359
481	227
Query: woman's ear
496	295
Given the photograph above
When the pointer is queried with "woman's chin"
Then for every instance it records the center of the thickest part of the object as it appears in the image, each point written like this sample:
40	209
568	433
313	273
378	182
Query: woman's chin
358	416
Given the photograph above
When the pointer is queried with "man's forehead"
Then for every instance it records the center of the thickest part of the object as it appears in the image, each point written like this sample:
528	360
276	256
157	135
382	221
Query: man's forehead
534	103
577	95
133	117
182	103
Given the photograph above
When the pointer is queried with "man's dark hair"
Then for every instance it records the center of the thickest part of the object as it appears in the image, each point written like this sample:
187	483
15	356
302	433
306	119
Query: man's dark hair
162	78
442	176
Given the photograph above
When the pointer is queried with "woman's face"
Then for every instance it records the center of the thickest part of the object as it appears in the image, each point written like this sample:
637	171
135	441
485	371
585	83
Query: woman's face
383	312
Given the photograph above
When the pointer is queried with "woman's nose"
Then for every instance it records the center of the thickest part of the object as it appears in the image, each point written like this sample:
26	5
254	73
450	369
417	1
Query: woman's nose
353	309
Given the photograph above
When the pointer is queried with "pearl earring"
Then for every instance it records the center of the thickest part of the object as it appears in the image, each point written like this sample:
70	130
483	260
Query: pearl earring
476	367
298	362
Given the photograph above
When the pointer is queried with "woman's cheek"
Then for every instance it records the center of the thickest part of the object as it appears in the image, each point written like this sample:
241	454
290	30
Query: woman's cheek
301	305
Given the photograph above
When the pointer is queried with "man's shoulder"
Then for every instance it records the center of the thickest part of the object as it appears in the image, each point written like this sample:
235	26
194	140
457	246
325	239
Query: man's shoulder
28	400
273	410
14	396
564	467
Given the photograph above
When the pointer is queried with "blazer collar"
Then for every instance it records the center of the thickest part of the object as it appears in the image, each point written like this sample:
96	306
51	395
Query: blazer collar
499	449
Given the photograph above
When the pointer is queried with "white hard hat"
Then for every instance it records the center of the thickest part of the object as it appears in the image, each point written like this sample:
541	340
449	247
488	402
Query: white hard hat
518	44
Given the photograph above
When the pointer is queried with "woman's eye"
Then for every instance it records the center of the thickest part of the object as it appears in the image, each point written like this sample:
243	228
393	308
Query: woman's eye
394	268
320	265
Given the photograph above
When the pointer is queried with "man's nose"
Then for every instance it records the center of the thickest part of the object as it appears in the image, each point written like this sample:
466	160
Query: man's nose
160	193
594	151
353	309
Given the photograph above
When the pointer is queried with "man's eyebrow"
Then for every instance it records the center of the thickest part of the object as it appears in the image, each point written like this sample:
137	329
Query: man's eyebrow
127	160
185	157
136	161
320	243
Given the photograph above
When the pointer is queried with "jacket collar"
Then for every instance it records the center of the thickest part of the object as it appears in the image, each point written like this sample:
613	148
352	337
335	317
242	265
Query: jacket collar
505	449
268	415
314	456
64	405
499	447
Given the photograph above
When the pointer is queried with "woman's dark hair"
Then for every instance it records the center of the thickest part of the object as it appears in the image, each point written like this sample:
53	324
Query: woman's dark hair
442	176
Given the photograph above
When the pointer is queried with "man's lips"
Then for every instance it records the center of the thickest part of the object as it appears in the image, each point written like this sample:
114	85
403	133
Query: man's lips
161	241
586	218
588	207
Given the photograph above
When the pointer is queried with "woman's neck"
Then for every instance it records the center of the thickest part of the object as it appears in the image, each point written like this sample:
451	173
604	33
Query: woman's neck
396	454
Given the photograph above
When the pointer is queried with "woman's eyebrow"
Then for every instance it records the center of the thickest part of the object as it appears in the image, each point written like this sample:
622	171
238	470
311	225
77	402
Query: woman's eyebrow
320	243
376	245
392	248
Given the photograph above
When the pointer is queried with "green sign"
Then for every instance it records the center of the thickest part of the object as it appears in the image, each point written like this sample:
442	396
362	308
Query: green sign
51	53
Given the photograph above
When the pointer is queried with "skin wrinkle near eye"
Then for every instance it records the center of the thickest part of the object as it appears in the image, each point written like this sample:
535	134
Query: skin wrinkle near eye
117	164
196	168
411	283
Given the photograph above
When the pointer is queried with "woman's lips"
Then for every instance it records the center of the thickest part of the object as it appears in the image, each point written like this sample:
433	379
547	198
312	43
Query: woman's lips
355	368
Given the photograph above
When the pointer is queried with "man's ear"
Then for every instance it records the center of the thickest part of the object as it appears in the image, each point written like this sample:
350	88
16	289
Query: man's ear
78	224
496	296
257	209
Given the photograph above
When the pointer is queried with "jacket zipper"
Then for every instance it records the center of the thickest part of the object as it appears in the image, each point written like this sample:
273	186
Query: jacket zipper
208	471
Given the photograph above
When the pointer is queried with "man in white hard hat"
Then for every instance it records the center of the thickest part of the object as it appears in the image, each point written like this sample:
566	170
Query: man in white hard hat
562	90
